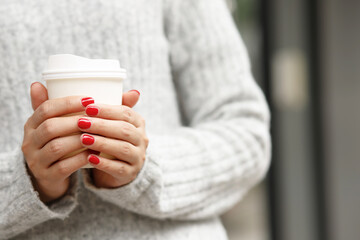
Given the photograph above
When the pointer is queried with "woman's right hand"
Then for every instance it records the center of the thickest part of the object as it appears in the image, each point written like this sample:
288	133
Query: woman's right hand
48	137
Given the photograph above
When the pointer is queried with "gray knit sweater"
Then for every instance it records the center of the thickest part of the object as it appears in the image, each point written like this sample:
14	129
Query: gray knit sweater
207	120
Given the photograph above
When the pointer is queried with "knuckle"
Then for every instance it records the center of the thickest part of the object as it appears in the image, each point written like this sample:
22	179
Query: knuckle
126	149
63	168
143	158
31	164
25	146
125	131
26	125
127	113
47	128
44	110
121	171
146	141
55	147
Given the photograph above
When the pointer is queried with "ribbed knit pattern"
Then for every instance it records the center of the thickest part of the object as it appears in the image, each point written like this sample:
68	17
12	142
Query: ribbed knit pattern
207	120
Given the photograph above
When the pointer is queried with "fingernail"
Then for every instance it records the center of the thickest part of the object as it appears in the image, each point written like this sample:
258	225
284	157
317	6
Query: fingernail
135	91
93	152
84	123
87	139
94	159
92	111
86	101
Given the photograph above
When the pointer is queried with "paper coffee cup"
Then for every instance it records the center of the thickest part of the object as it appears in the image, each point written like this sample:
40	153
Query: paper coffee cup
70	75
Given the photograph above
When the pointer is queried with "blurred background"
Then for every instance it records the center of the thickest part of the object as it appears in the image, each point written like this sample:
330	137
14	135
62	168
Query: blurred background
305	56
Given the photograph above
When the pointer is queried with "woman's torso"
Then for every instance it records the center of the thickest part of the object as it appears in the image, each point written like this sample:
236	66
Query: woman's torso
129	30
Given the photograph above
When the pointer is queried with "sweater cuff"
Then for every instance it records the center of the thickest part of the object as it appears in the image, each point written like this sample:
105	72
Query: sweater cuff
63	206
24	207
127	195
29	200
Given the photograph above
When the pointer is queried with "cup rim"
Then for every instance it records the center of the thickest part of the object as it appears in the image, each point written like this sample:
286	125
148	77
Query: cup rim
83	73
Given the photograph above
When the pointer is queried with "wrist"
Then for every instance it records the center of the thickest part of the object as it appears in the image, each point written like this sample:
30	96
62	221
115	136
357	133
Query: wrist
49	192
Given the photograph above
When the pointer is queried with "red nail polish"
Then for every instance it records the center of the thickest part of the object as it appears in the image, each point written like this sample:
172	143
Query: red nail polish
135	91
92	111
86	101
94	159
84	123
87	139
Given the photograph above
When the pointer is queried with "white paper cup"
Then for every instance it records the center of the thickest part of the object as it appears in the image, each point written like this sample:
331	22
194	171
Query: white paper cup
70	75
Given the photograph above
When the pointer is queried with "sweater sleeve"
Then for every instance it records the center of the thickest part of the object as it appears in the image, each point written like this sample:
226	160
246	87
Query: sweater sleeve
20	206
204	168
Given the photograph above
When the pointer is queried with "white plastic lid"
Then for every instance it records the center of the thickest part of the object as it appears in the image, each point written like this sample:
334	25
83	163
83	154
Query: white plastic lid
62	66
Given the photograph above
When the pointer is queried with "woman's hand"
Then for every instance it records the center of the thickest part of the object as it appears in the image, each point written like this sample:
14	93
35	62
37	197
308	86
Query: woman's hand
48	137
123	136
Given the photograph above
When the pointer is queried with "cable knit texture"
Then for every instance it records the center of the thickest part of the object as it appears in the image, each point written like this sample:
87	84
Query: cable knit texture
207	120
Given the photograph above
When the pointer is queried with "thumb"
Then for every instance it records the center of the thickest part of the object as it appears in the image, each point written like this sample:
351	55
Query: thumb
38	94
130	98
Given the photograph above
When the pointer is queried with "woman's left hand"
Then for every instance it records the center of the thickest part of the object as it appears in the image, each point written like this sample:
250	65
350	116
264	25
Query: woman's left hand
118	132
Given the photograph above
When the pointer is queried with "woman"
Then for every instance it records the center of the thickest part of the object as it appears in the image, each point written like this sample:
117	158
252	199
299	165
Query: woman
206	121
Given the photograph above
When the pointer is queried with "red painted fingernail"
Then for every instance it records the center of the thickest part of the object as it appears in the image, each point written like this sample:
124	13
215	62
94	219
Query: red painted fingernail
84	123
92	111
94	159
87	139
135	91
93	152
86	101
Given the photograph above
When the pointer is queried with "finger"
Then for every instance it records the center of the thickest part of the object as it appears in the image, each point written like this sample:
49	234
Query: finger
64	168
110	128
55	127
112	112
130	98
119	149
58	107
38	94
118	169
58	148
